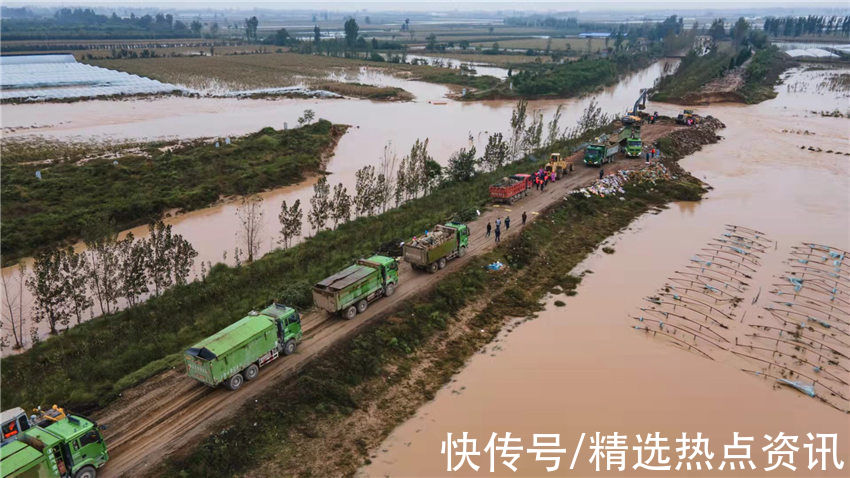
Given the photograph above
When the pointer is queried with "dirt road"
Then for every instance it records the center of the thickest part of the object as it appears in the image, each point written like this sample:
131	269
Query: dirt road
170	411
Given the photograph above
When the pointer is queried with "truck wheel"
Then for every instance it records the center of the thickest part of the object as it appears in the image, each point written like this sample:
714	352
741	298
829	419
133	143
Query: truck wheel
251	372
289	347
389	289
361	306
86	472
462	251
233	383
442	263
349	313
432	267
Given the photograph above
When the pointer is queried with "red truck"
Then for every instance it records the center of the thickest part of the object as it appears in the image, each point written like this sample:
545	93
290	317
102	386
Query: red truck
510	189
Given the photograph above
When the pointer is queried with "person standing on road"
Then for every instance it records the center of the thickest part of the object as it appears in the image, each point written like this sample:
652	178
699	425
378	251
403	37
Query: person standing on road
524	216
507	223
498	223
498	234
601	173
489	227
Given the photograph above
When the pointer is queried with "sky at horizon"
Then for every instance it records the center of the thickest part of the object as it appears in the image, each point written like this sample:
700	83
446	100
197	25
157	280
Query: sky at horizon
449	5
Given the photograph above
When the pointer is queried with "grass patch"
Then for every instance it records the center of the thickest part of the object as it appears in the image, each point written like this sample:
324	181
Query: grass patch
87	360
608	250
694	71
560	303
80	184
762	74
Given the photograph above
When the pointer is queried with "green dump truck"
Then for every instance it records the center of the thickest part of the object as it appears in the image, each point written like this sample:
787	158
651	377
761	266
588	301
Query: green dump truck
349	291
236	353
431	251
55	446
630	141
600	152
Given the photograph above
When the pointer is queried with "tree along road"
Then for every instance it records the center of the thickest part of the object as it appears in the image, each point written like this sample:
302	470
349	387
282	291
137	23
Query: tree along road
170	411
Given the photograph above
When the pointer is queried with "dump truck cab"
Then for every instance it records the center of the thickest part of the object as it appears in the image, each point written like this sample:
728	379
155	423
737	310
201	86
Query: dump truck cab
594	154
634	146
14	421
71	447
387	266
462	232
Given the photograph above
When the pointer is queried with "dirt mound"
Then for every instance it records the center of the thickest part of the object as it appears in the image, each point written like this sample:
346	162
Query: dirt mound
683	142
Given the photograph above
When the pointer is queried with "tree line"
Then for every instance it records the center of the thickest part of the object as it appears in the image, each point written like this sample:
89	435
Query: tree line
810	25
66	284
86	23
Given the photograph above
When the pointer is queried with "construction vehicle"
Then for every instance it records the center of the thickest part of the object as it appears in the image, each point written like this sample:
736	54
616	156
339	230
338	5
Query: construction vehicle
55	445
688	115
635	115
630	141
349	291
235	354
557	164
600	151
510	189
431	251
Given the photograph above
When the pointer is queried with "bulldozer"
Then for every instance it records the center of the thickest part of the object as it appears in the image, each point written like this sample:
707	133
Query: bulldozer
688	115
557	164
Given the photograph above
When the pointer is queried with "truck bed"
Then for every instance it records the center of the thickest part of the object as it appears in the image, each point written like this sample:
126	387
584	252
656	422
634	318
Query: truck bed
345	277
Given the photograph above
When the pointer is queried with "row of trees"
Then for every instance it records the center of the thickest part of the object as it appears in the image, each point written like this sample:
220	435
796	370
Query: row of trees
86	23
66	284
810	25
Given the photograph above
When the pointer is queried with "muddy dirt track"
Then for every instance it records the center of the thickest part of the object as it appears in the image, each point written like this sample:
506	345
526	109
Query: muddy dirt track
170	411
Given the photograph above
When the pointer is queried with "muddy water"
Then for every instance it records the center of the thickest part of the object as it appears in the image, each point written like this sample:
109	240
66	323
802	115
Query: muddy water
213	231
581	368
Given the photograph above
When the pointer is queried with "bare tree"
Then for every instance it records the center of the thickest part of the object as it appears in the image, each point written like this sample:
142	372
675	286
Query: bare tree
48	290
341	202
518	117
13	304
250	214
554	128
133	274
592	117
75	276
291	218
384	188
320	204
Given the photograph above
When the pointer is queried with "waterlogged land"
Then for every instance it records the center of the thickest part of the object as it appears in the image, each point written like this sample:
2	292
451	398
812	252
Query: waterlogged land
726	74
587	367
362	388
373	123
53	192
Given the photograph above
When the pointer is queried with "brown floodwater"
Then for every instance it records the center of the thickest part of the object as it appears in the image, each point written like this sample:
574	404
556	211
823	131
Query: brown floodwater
582	368
214	231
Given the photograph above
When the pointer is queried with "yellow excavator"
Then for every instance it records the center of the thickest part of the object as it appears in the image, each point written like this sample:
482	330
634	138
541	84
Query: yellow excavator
557	164
688	115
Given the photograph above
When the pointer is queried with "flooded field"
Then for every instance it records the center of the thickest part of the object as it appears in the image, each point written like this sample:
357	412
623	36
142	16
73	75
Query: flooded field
587	369
213	231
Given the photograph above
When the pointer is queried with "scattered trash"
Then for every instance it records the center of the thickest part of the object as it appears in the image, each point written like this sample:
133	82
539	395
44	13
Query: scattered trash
496	266
805	388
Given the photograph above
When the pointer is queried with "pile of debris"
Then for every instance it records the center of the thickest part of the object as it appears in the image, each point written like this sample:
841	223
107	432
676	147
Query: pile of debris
431	238
614	183
683	142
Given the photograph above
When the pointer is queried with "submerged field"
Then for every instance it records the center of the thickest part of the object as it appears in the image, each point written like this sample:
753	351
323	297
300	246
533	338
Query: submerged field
79	184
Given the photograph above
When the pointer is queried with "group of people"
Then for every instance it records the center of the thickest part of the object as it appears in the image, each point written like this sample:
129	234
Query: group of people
652	154
541	178
498	230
